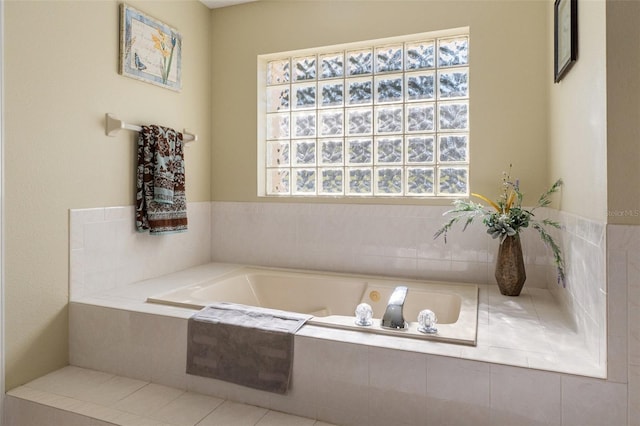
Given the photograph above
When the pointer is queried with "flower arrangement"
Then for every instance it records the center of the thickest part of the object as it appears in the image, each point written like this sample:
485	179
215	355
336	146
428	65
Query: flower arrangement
166	48
507	217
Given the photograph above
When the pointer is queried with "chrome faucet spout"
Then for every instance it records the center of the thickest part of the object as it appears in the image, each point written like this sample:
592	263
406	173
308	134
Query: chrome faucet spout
393	317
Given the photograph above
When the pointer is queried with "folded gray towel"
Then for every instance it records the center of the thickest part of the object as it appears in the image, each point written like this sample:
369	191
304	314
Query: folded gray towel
245	345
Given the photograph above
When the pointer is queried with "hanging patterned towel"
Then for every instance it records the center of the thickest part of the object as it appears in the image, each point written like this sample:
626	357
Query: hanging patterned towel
161	205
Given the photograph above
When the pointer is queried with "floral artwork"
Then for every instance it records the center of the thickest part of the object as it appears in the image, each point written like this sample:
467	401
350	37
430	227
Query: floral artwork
149	49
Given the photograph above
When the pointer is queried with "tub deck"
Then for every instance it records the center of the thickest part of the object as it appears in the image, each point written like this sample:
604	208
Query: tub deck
530	331
352	377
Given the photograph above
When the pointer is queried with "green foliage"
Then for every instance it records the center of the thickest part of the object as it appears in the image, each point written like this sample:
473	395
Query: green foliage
507	217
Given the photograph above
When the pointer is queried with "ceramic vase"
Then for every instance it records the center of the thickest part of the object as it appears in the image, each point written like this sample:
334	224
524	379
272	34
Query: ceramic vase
510	273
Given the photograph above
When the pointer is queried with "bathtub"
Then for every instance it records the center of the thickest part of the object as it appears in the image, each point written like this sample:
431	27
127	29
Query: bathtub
332	299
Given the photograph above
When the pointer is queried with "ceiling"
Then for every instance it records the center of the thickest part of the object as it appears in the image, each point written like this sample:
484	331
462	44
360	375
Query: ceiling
212	4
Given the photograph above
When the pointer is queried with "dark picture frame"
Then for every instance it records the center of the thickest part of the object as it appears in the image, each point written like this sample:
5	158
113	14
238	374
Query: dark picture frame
565	37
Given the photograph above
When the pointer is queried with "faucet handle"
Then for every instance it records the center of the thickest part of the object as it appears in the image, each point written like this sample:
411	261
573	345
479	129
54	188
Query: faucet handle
364	314
427	321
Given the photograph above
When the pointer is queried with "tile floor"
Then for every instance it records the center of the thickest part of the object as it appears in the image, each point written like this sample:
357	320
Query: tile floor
80	396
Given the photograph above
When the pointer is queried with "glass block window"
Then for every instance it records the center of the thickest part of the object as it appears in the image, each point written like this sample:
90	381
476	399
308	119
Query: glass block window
388	118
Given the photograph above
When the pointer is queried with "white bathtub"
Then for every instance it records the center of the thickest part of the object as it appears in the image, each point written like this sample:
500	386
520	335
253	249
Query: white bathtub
332	299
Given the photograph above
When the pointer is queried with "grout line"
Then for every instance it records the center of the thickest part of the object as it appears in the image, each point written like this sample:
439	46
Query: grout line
263	416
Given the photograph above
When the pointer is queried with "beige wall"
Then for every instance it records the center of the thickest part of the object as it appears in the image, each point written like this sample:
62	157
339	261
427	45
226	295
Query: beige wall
578	118
61	61
623	112
508	77
61	77
594	115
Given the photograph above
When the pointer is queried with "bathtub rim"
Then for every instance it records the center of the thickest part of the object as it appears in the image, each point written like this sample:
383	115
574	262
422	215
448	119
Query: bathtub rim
463	332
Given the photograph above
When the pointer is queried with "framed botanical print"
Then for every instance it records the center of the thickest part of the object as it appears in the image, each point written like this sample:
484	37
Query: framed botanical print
150	50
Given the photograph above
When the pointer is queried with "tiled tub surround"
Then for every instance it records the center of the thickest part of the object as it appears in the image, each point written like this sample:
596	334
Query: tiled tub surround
348	377
388	240
397	241
106	252
585	296
623	276
256	223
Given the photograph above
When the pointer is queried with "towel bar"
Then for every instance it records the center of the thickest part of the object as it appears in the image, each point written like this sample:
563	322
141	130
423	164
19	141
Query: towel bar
113	125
